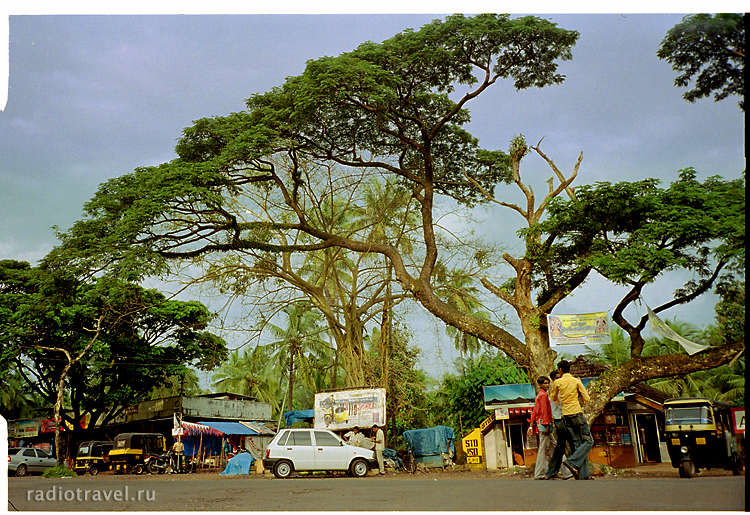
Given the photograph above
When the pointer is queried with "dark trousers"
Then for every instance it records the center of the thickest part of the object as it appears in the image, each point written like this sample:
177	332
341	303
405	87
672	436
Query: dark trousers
582	442
565	436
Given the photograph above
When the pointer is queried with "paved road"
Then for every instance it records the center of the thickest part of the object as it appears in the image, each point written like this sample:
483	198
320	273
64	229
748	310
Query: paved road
390	493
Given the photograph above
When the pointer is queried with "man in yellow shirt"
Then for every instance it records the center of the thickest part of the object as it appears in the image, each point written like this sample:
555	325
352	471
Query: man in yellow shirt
569	392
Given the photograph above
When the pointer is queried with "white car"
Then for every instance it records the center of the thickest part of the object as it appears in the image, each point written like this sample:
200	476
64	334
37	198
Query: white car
315	449
27	460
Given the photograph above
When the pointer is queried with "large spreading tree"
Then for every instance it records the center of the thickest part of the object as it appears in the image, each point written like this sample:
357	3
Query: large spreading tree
396	108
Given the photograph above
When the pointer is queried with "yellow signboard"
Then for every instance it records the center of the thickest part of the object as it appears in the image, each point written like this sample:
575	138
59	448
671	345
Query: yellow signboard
473	446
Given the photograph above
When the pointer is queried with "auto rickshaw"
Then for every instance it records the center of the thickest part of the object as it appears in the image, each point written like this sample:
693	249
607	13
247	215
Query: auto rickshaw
130	449
699	434
93	457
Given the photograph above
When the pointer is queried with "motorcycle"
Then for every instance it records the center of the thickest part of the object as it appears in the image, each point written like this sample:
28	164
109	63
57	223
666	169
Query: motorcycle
160	463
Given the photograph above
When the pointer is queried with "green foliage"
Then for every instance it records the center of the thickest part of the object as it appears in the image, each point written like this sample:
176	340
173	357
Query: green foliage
709	49
635	231
464	396
250	373
143	338
59	471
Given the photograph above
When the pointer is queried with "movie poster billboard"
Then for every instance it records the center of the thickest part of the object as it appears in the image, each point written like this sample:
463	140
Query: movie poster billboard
348	408
581	329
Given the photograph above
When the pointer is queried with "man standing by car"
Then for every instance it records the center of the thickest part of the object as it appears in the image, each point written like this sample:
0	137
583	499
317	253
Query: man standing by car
541	419
570	392
354	437
379	439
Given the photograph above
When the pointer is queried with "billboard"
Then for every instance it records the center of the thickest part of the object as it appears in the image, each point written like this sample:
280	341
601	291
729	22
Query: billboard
581	329
348	408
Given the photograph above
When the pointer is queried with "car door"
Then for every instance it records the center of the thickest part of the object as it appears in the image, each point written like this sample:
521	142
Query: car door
330	453
45	460
29	458
299	448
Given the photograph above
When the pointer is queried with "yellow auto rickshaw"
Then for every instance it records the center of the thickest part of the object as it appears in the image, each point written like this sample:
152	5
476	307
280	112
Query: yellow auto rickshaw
130	449
700	435
93	457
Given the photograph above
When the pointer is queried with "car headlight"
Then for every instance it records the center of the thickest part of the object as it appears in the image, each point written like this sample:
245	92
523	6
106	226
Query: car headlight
684	449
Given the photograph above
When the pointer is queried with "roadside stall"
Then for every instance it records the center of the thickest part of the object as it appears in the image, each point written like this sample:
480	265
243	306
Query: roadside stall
432	447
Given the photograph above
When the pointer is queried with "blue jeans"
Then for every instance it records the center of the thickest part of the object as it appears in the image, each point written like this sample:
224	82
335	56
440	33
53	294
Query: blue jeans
580	434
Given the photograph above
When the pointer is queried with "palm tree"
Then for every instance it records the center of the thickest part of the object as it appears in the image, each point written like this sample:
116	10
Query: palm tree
249	373
725	383
298	346
615	353
459	292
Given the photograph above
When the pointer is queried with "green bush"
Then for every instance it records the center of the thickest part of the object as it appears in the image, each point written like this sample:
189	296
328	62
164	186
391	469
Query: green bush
59	471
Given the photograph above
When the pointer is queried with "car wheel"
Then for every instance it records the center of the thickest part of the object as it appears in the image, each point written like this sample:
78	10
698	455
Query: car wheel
283	470
93	470
359	468
21	471
687	469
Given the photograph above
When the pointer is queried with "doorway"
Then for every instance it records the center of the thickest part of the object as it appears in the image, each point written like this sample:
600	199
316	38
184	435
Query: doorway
647	437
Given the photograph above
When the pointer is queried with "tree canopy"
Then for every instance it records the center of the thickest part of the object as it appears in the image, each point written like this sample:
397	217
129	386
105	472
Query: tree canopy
708	50
140	339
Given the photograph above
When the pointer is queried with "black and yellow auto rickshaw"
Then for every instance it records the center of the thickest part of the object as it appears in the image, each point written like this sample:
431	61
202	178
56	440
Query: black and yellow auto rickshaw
700	435
130	449
93	457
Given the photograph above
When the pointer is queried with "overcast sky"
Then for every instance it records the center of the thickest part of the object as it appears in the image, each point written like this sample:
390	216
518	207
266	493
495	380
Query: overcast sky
93	97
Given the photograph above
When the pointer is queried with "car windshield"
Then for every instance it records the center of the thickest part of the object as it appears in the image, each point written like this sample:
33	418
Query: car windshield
689	415
83	450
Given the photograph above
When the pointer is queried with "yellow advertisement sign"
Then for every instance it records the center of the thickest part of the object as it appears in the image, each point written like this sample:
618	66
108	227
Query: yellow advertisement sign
581	329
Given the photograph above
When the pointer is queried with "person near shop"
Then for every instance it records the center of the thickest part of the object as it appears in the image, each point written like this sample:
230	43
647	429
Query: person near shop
178	448
541	424
379	438
559	438
570	393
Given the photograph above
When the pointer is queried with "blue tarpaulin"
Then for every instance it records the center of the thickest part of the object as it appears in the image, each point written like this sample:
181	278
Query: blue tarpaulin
290	417
431	442
231	428
240	464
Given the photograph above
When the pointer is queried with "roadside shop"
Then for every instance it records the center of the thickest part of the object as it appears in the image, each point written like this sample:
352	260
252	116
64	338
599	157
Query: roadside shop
628	432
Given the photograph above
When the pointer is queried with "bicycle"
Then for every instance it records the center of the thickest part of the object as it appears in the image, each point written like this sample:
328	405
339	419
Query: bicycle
409	461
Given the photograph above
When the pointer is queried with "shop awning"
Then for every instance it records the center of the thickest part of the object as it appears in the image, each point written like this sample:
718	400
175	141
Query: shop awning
191	429
231	428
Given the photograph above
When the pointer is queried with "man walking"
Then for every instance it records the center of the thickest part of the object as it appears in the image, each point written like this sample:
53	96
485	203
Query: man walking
570	392
541	421
559	438
379	439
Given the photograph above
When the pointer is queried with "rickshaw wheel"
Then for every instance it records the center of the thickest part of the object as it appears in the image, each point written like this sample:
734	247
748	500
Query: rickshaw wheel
138	469
687	469
93	470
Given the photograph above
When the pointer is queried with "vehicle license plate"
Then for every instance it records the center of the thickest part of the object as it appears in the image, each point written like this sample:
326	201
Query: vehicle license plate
700	441
675	441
